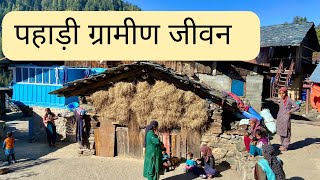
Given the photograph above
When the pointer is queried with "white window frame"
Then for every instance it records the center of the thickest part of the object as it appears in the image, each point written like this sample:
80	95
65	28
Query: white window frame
35	75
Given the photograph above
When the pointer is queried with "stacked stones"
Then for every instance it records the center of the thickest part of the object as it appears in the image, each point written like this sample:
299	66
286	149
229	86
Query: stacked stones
230	148
216	116
70	129
90	149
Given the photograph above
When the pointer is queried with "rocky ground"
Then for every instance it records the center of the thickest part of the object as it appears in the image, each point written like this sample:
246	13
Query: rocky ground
38	161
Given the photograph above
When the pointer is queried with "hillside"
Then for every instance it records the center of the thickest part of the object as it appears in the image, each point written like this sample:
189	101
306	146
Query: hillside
62	5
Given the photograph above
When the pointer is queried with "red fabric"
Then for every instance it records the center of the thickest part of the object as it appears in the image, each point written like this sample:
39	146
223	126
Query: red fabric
246	108
247	141
315	96
284	89
235	97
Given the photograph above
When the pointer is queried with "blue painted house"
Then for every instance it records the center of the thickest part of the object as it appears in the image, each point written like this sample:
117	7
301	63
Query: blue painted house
32	83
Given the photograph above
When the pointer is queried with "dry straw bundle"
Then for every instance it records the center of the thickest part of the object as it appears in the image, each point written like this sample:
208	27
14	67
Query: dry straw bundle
141	103
170	106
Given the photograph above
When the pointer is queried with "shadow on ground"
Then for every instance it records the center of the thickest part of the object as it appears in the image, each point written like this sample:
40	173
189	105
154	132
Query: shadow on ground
298	145
296	178
304	143
223	166
24	165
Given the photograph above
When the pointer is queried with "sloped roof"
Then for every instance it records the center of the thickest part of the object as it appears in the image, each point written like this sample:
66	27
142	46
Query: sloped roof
284	34
315	76
128	72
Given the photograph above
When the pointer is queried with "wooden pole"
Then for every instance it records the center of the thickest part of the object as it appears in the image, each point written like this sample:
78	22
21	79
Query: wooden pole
307	98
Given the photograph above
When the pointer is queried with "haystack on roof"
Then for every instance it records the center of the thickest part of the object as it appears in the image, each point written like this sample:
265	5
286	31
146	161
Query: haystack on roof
143	101
142	70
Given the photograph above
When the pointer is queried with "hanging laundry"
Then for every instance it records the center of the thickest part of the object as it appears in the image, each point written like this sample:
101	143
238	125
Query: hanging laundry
65	74
87	73
57	75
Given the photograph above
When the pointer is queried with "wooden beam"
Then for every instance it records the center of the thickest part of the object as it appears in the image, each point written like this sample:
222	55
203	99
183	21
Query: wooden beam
83	90
298	59
307	102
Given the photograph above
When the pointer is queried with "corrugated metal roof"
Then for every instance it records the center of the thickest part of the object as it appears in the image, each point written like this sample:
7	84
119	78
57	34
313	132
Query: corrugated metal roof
315	76
284	34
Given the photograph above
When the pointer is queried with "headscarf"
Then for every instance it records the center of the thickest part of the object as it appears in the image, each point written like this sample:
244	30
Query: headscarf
207	151
256	126
285	90
275	165
152	124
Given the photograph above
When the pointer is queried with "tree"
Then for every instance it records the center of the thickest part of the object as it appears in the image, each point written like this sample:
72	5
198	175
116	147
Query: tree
318	34
62	5
1	53
299	20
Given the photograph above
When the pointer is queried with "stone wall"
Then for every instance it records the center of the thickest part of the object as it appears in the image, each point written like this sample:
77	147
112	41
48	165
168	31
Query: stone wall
218	82
65	126
89	148
253	86
230	148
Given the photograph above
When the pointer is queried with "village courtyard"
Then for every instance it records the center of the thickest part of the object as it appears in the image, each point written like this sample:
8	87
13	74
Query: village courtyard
38	161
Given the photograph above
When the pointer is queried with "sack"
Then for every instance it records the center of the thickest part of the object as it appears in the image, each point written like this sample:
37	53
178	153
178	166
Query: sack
269	121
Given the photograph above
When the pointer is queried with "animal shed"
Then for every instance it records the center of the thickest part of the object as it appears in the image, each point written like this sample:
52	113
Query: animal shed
129	96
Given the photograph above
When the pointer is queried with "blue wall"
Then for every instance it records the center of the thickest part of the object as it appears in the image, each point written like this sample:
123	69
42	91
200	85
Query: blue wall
37	95
74	74
237	87
33	94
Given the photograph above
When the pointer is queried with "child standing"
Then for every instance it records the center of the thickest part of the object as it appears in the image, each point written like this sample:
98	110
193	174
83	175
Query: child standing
190	163
8	146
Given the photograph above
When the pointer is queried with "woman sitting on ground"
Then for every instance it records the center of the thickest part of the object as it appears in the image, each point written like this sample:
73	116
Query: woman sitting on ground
167	164
251	133
269	167
257	143
208	162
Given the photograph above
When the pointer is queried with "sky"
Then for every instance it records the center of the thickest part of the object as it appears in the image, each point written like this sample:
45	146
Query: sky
270	12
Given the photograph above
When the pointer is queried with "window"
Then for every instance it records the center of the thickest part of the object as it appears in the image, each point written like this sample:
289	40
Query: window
52	76
45	76
25	75
32	73
237	87
19	75
36	75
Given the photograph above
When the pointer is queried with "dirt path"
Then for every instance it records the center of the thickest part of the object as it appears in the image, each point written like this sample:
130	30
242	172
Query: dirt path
38	161
303	159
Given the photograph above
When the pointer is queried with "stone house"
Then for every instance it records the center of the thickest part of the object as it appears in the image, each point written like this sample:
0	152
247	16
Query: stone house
115	137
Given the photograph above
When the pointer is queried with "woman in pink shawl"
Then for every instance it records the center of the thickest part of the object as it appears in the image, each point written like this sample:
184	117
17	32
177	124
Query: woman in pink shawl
283	122
208	162
254	126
